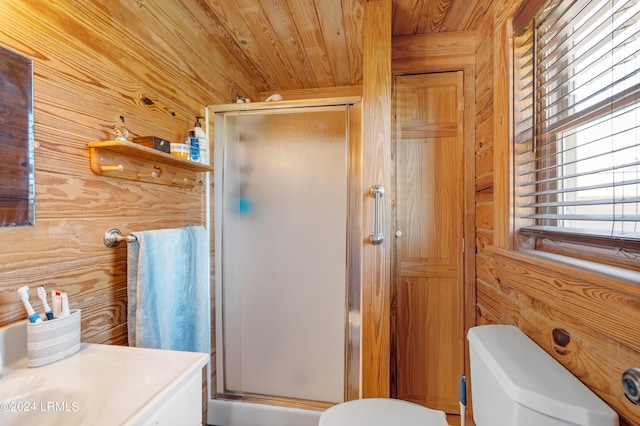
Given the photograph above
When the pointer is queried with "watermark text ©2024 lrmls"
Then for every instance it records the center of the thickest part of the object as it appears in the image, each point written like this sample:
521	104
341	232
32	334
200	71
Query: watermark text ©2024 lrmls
41	406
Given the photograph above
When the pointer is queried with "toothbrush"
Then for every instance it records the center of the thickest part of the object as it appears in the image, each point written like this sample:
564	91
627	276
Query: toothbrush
31	314
462	397
43	296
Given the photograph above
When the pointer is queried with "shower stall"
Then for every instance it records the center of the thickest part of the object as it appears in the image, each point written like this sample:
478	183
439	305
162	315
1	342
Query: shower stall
287	220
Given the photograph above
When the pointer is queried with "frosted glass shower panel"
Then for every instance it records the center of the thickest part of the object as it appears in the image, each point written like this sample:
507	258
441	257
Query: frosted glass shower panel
284	253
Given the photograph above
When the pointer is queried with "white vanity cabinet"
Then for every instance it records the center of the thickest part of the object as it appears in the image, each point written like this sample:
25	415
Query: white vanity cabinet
100	385
184	407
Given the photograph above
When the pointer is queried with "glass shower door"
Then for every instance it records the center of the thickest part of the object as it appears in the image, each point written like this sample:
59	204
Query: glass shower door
284	251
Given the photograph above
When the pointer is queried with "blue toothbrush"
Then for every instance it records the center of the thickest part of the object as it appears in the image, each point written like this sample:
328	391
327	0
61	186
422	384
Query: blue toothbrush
462	397
43	296
32	316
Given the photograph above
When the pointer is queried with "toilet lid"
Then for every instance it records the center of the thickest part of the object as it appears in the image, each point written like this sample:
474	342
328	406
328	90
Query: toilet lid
381	412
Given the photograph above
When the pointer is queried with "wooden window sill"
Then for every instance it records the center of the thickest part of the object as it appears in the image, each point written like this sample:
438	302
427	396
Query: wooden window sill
613	277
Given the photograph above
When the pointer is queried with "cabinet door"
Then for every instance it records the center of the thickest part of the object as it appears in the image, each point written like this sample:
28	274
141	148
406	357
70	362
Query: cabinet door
428	282
183	408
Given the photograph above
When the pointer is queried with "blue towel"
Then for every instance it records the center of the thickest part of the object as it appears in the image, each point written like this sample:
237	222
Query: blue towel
168	289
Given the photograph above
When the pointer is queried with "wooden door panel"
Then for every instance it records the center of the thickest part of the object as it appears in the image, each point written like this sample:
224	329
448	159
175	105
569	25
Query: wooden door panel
426	305
422	269
431	225
429	341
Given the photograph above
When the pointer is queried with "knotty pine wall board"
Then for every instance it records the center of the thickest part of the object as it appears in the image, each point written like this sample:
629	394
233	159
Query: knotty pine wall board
155	63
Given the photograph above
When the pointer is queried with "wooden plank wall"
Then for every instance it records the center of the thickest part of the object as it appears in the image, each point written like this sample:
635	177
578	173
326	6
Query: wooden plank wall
540	295
156	64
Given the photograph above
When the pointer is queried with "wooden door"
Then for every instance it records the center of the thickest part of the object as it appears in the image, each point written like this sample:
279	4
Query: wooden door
427	293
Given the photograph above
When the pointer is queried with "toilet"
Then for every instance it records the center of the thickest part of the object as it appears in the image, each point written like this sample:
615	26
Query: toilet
514	382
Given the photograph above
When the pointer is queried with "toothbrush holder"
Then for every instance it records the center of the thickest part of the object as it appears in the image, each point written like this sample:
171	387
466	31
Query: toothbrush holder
53	340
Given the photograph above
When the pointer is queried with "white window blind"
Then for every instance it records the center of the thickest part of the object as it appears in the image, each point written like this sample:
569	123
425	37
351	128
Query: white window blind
577	123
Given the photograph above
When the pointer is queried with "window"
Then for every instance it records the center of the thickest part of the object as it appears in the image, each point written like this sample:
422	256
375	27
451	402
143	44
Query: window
577	125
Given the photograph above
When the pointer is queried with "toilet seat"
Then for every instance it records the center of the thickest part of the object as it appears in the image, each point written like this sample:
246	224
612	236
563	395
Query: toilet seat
381	412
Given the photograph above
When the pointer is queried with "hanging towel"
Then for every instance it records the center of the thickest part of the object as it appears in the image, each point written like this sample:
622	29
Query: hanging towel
168	289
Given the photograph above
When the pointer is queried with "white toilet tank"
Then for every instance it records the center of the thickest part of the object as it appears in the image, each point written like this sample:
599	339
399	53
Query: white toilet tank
514	382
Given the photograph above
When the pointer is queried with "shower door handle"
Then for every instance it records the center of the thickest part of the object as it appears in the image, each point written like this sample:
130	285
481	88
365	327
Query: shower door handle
376	237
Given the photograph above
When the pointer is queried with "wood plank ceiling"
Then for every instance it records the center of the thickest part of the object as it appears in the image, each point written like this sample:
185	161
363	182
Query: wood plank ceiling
302	44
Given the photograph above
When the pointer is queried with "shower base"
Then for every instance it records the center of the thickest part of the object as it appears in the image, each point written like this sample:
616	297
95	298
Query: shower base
238	413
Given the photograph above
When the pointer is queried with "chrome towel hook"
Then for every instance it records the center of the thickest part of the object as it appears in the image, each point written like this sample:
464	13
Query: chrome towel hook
113	237
376	237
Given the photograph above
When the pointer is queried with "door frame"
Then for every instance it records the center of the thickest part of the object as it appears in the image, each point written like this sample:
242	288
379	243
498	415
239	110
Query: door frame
355	234
433	53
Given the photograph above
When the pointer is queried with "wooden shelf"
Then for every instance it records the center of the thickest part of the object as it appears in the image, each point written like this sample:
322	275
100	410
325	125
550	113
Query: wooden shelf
128	160
142	152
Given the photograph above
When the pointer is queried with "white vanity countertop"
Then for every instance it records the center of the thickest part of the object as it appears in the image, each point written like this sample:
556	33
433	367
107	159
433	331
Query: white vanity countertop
98	385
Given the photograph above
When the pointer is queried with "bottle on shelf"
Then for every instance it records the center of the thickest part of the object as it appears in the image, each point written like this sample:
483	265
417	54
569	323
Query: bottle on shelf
203	142
194	147
120	132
